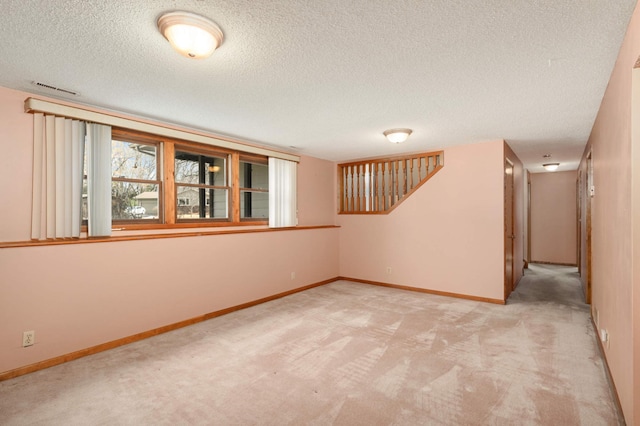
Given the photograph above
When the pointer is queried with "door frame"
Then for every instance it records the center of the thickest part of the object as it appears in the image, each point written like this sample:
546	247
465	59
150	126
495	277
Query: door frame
509	235
579	198
588	243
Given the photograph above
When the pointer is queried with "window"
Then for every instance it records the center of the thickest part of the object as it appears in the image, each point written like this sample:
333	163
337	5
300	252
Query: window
199	188
201	184
136	190
146	176
254	188
135	187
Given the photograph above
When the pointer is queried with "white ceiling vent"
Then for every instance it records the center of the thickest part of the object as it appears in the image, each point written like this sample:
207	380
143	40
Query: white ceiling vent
54	88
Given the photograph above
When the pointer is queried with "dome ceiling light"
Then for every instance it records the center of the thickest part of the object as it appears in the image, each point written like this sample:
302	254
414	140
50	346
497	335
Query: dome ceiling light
397	135
192	35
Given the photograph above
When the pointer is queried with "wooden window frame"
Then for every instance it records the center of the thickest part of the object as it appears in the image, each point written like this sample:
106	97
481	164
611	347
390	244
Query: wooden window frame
166	148
124	135
250	158
213	152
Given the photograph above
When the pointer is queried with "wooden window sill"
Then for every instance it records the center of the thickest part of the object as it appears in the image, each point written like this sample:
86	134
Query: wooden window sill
133	237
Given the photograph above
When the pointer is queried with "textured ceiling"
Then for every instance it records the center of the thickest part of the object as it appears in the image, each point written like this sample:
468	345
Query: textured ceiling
328	77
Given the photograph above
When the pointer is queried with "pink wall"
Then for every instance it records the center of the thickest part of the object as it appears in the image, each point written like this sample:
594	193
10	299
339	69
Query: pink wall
635	209
615	288
16	145
554	217
77	296
82	295
448	236
317	196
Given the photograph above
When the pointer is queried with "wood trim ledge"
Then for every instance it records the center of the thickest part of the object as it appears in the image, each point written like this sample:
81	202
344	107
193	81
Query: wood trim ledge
155	236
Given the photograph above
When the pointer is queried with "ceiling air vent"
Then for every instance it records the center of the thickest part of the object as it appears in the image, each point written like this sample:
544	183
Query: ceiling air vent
54	88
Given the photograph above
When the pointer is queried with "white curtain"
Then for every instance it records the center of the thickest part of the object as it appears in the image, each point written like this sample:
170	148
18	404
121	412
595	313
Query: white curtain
282	193
99	180
58	151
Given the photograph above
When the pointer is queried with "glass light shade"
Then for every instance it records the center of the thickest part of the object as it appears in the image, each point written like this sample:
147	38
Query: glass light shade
397	135
551	167
191	35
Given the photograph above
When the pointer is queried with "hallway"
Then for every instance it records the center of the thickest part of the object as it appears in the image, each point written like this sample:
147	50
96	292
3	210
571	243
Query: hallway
550	283
554	293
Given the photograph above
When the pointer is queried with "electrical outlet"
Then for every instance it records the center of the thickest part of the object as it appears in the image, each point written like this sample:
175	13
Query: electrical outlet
293	275
28	338
388	270
605	338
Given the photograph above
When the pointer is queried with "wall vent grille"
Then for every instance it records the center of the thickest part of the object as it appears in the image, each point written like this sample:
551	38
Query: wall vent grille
54	88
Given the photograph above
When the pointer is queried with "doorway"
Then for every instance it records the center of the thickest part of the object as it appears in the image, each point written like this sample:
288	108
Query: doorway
588	197
509	228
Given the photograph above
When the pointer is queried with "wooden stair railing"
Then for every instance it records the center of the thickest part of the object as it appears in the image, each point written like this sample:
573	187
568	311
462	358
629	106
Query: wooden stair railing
378	186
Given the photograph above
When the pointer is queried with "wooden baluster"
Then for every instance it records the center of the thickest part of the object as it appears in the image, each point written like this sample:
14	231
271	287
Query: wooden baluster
343	187
392	183
415	175
372	184
398	180
351	188
357	194
405	177
395	181
383	186
350	199
373	187
370	193
345	195
367	198
363	189
348	194
387	186
362	205
378	184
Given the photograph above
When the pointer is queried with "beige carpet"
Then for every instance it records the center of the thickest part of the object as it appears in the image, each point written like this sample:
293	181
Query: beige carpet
345	354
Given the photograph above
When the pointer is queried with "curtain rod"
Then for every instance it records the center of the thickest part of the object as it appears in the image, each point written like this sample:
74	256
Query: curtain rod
32	105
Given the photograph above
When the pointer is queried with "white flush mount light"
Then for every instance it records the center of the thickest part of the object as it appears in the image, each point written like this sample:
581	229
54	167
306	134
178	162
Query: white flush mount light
551	167
192	35
397	135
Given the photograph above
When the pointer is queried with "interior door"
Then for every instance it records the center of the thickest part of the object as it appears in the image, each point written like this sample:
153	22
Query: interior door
509	231
579	219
